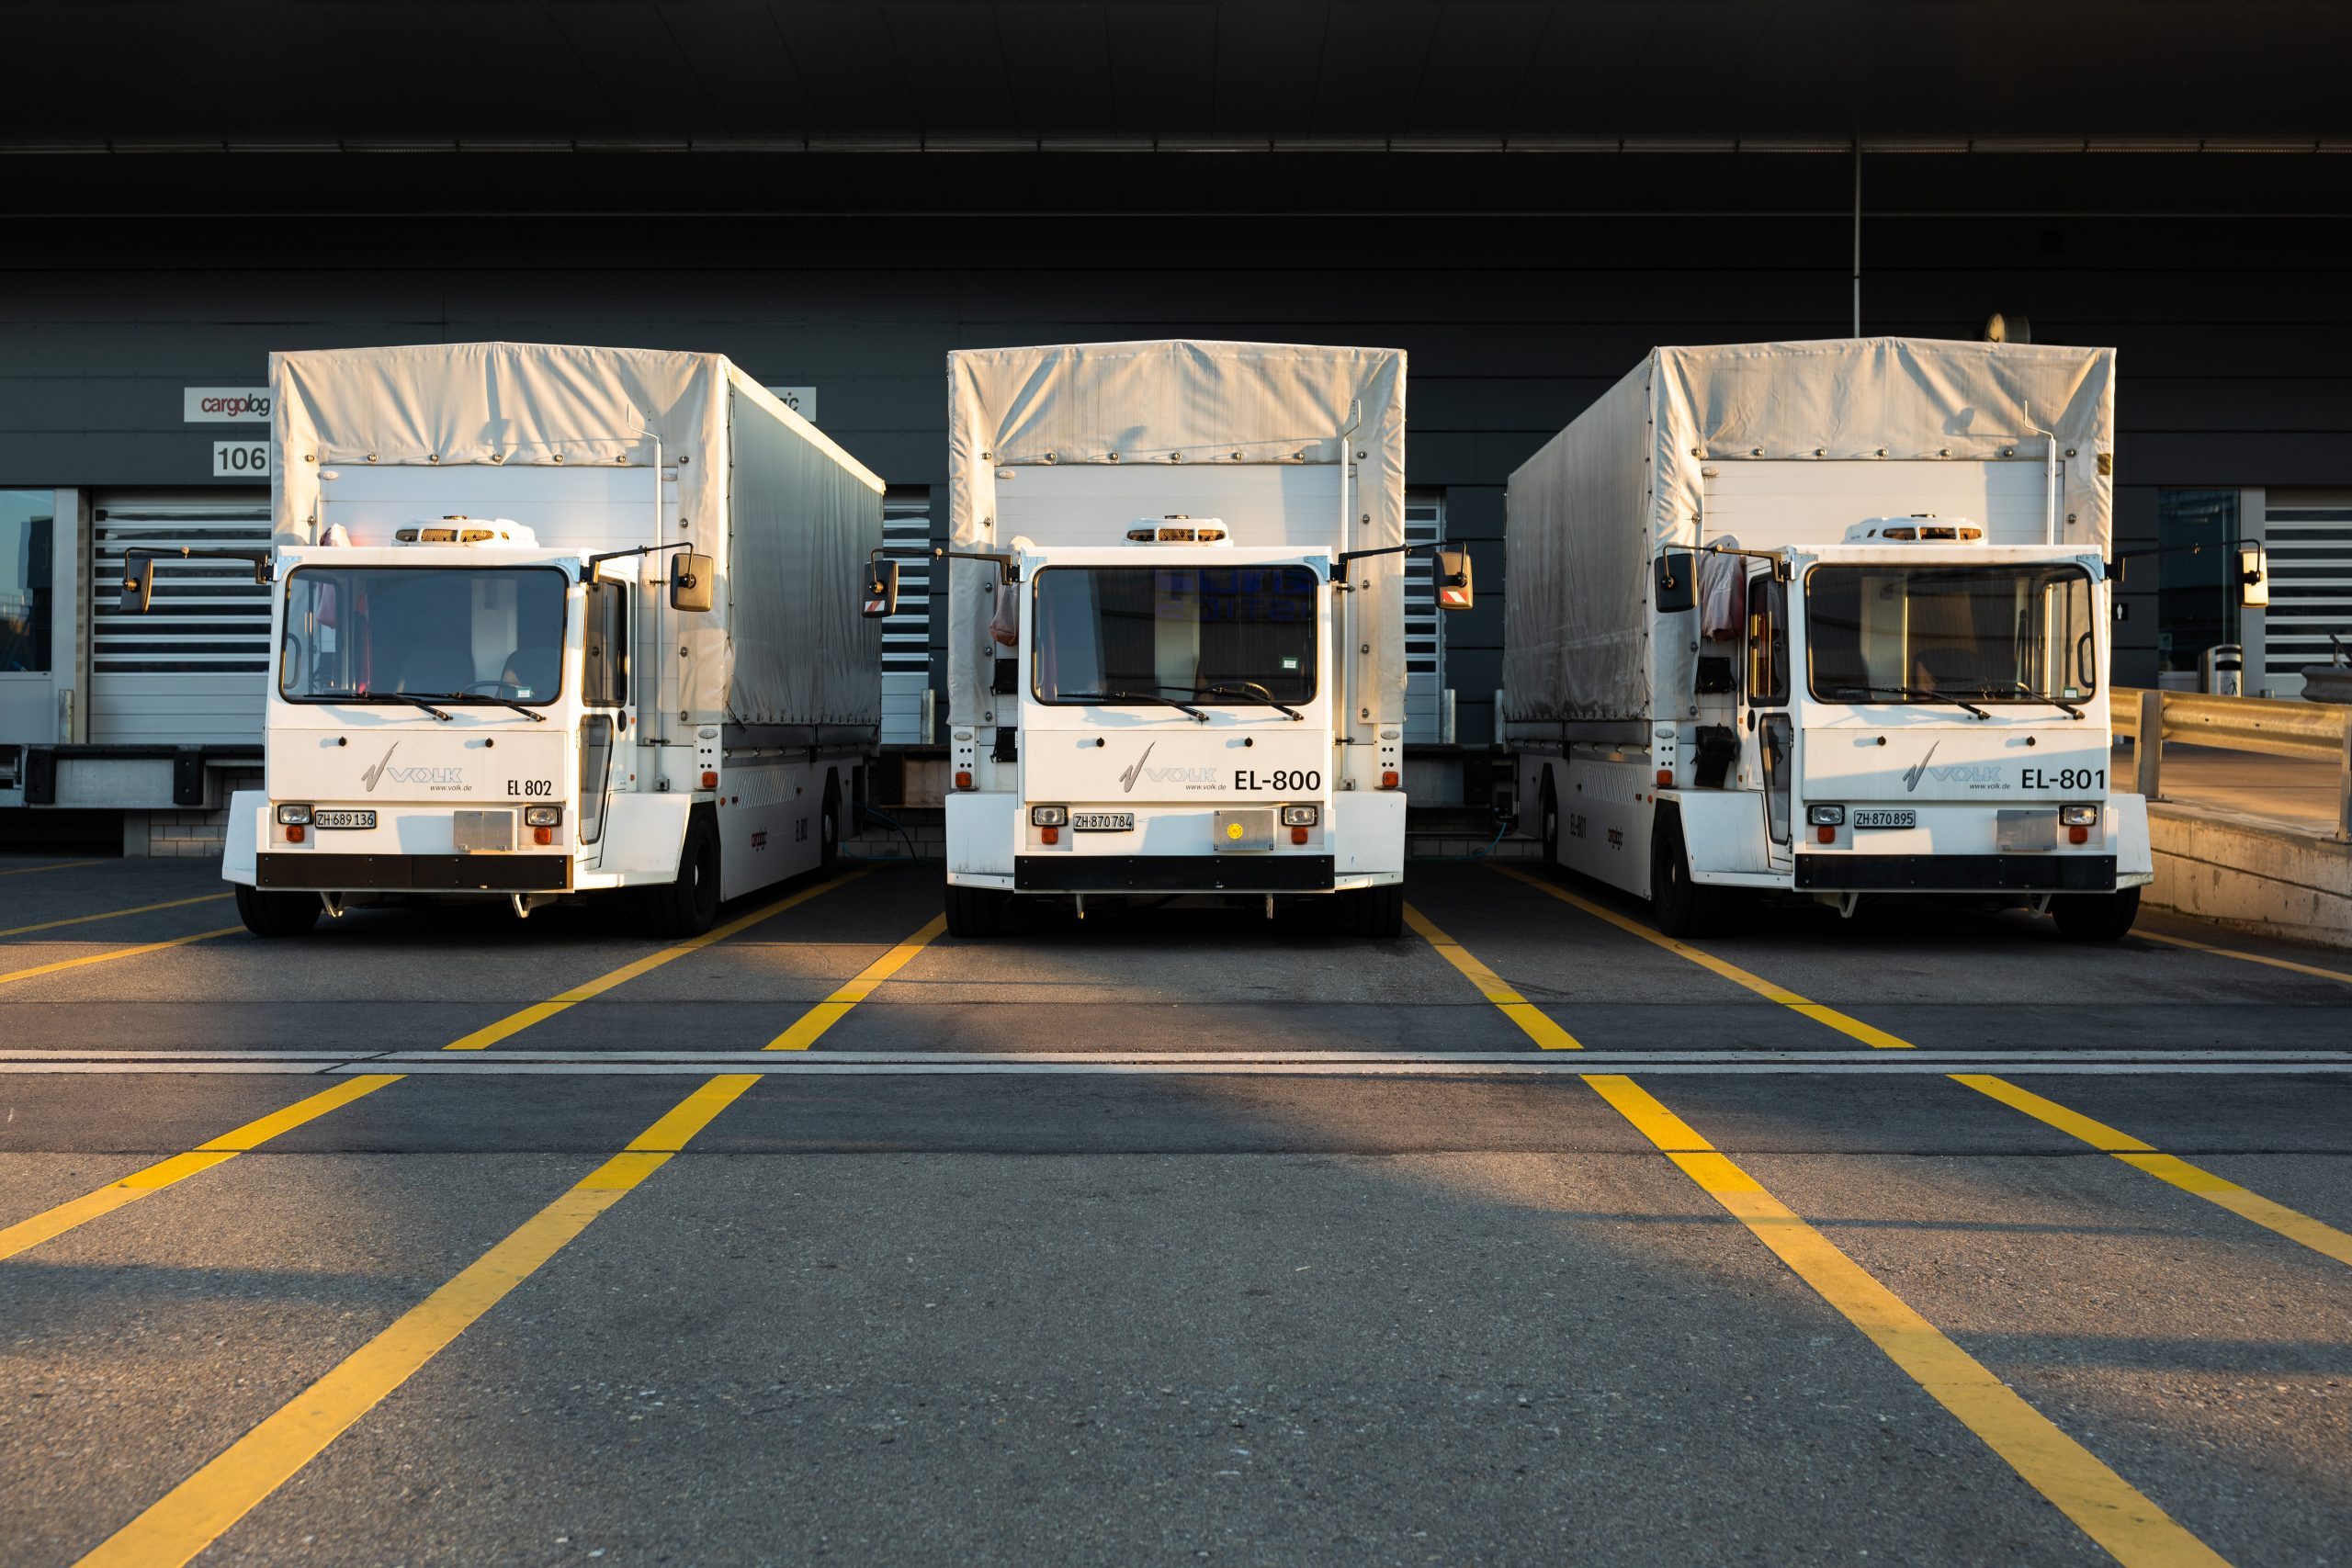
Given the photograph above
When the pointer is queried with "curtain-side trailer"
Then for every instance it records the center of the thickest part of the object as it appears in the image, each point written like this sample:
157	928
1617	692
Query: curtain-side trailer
1176	662
1828	619
551	621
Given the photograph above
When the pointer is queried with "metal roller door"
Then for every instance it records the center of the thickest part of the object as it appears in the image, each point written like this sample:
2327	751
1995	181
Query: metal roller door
191	672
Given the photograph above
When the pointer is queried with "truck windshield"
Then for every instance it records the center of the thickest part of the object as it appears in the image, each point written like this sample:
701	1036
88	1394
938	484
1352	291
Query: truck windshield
465	634
1241	634
1941	634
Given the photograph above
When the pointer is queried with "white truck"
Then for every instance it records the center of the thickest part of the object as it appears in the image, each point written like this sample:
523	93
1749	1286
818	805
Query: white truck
1828	619
550	621
1177	662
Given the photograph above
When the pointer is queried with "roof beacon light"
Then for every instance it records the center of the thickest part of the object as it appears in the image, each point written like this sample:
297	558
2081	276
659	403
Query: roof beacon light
463	530
1176	529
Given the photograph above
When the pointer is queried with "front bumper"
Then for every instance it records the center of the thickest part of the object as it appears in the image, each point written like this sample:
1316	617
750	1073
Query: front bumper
1174	873
1956	873
312	871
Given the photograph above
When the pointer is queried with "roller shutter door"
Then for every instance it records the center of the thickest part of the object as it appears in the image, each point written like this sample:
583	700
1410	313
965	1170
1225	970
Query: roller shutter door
193	671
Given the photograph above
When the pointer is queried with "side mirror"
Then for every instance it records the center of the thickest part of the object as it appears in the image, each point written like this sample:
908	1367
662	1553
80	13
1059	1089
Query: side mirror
137	585
2253	575
881	589
1677	588
1453	588
692	580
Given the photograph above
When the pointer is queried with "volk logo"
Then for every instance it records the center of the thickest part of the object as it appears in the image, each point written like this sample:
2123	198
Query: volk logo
374	775
1192	778
1918	771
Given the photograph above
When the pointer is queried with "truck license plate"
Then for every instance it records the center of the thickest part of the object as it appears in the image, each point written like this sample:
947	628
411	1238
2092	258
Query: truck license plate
1103	821
1886	819
343	818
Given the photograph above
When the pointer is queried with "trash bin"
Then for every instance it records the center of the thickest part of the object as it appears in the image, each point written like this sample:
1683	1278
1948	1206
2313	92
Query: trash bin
2221	671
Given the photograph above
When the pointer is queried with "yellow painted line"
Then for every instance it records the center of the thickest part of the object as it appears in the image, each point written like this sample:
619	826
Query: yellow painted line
2274	1216
119	952
61	865
2104	1506
1531	1019
825	1014
2312	969
179	1167
194	1513
539	1012
118	914
56	1222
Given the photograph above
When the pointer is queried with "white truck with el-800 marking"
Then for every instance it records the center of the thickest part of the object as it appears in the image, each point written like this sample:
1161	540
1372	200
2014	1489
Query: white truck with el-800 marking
1828	619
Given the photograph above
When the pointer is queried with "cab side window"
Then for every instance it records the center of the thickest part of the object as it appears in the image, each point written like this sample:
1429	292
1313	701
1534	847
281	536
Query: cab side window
1767	642
604	681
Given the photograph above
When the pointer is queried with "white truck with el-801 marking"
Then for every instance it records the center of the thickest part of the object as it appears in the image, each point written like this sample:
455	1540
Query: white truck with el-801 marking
1827	618
1176	662
551	622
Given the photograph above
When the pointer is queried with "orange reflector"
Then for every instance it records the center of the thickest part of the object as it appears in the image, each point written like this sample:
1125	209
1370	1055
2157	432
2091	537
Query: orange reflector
1051	835
1298	835
963	778
1454	598
1665	778
2078	835
294	833
543	835
1388	778
1826	835
709	779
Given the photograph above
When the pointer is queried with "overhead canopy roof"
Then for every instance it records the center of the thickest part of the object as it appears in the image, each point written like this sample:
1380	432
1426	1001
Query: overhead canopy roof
1183	74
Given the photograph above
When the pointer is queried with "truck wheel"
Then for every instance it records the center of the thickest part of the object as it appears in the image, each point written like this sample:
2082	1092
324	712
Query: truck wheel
689	905
976	911
2095	917
1679	906
276	914
829	827
1549	818
1376	912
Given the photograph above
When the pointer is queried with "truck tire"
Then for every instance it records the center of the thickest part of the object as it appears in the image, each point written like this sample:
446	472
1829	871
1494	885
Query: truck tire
1375	912
976	911
276	914
689	905
2095	917
1679	905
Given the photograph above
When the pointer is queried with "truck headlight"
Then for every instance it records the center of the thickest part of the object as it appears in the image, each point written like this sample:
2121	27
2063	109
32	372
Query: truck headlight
542	815
1048	816
2078	815
294	816
1825	815
1301	816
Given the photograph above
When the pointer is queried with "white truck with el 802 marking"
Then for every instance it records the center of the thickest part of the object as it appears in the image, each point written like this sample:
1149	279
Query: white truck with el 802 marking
1828	619
551	621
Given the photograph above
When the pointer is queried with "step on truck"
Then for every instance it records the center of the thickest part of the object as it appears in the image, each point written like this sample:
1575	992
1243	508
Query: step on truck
1176	653
1827	619
551	623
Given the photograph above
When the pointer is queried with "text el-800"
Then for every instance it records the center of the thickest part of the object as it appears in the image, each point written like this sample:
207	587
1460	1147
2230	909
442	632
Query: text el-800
1284	781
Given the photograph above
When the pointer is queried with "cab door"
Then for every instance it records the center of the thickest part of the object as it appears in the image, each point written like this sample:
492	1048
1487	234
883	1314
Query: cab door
1769	744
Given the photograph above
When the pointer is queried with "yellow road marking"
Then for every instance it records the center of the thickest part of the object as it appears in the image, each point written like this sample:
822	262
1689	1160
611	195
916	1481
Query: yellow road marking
2233	953
61	865
179	1167
118	914
2104	1506
55	1221
1531	1019
2245	1203
117	952
194	1513
539	1012
825	1014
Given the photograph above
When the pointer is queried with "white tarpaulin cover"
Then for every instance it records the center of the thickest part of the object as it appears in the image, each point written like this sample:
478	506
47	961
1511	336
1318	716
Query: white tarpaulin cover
1178	401
1589	511
788	515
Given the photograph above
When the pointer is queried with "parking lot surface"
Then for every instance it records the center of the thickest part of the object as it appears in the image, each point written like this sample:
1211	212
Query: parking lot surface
1168	1234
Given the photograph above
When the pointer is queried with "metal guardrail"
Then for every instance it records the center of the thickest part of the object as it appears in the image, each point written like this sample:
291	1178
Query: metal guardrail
2320	730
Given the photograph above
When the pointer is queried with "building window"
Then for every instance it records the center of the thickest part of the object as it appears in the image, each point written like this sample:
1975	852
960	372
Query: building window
28	519
2197	606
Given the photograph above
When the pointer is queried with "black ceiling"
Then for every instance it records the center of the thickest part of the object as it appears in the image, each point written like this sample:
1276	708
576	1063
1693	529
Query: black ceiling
830	74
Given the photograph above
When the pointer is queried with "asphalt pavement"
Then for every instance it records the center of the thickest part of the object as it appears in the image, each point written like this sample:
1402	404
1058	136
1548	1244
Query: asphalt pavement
1168	1234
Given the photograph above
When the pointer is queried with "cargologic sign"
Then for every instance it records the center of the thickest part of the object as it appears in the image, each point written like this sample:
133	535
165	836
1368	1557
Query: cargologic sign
224	405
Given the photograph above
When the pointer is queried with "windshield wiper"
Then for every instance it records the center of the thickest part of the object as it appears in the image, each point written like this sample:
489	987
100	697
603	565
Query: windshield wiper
1251	689
1198	716
2021	689
389	697
473	700
1918	693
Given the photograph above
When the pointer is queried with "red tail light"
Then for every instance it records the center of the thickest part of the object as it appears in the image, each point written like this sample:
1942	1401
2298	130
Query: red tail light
963	778
1051	835
294	834
709	779
1388	778
1298	835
